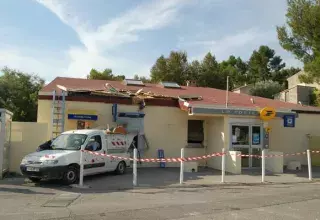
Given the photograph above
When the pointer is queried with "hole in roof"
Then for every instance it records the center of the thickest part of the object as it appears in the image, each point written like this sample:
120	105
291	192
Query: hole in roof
133	82
170	85
191	97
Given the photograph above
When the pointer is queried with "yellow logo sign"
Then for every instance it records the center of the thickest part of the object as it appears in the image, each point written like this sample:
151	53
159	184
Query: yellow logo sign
268	129
267	113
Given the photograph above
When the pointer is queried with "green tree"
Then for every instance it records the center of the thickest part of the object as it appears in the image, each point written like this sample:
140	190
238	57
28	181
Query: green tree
159	71
236	69
19	93
194	70
301	35
267	89
263	64
106	74
211	75
142	78
173	69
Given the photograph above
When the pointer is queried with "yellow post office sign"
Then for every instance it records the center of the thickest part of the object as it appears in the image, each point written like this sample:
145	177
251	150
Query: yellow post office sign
267	113
268	129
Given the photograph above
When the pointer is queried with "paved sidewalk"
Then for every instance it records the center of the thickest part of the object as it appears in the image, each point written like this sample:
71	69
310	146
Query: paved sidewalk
290	201
169	178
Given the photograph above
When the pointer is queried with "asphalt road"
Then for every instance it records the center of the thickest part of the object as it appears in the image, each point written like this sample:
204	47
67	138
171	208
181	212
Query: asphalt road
285	201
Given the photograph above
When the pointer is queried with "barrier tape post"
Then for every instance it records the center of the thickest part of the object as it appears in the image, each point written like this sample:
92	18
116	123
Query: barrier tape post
81	169
309	165
135	167
223	165
263	165
182	166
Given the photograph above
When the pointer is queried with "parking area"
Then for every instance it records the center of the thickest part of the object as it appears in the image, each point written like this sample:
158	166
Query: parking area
168	178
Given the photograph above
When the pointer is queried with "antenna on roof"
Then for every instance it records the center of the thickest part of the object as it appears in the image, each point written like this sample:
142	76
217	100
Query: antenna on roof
227	92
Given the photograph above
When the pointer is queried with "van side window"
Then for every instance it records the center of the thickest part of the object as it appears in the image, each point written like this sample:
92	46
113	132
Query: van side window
94	143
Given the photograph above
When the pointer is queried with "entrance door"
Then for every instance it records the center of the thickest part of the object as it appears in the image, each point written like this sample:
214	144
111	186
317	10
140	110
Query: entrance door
247	138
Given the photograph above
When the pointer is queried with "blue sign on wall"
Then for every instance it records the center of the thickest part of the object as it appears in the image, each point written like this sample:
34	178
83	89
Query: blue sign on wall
161	156
83	117
114	112
289	121
256	138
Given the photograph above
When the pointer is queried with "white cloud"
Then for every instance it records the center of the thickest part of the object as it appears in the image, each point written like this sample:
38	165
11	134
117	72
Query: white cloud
118	31
13	58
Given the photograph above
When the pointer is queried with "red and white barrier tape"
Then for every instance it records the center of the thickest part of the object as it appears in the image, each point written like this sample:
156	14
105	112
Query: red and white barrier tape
157	160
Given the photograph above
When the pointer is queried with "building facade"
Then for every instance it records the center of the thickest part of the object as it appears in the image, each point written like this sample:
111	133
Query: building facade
174	117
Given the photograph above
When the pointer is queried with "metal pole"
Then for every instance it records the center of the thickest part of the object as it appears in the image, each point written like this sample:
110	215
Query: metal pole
182	166
53	112
223	165
63	107
135	152
263	165
227	92
81	169
309	165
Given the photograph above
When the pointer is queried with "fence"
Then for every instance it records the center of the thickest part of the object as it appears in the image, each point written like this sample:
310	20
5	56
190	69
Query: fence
183	159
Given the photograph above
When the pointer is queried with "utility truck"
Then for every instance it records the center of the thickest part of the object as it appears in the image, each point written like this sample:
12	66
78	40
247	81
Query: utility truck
62	161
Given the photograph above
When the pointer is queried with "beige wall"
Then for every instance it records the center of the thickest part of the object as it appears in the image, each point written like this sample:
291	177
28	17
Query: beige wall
165	127
25	138
293	140
294	81
215	140
295	95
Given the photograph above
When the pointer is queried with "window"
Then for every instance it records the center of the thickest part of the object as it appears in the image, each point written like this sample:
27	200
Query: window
195	132
256	135
240	135
94	143
68	142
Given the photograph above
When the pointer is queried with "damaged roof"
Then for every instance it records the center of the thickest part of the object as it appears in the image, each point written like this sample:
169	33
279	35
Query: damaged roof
193	95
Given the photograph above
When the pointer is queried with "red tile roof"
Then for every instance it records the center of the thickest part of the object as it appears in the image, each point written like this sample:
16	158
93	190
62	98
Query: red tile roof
211	96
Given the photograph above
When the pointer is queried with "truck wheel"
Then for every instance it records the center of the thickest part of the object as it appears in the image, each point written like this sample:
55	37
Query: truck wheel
35	179
121	168
71	176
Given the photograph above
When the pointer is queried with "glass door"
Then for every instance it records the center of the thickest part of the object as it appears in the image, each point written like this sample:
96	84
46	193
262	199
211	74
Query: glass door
240	136
248	140
256	145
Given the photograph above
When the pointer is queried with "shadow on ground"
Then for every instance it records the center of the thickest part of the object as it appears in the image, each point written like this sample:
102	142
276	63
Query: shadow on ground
166	178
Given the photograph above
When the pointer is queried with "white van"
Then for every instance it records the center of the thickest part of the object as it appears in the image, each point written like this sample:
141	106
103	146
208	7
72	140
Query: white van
62	161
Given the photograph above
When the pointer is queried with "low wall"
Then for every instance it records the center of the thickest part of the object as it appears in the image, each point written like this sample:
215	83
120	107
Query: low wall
25	138
233	163
274	164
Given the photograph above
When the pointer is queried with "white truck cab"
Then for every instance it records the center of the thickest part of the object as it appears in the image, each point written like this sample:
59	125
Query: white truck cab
62	161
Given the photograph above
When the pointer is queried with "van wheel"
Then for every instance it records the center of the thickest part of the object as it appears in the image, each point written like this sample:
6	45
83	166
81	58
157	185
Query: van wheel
121	168
71	176
34	179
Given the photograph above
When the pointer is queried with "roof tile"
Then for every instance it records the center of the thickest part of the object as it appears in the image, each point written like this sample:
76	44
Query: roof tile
211	96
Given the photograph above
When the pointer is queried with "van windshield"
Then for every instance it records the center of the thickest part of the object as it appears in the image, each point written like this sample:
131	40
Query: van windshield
68	142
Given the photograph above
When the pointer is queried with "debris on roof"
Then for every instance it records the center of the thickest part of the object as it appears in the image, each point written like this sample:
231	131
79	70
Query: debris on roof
191	97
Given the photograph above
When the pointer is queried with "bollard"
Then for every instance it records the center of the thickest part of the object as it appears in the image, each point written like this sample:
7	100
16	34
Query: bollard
309	165
81	169
181	166
223	165
263	165
135	166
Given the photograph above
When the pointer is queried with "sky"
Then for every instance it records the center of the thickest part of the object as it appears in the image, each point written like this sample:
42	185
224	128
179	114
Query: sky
69	37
